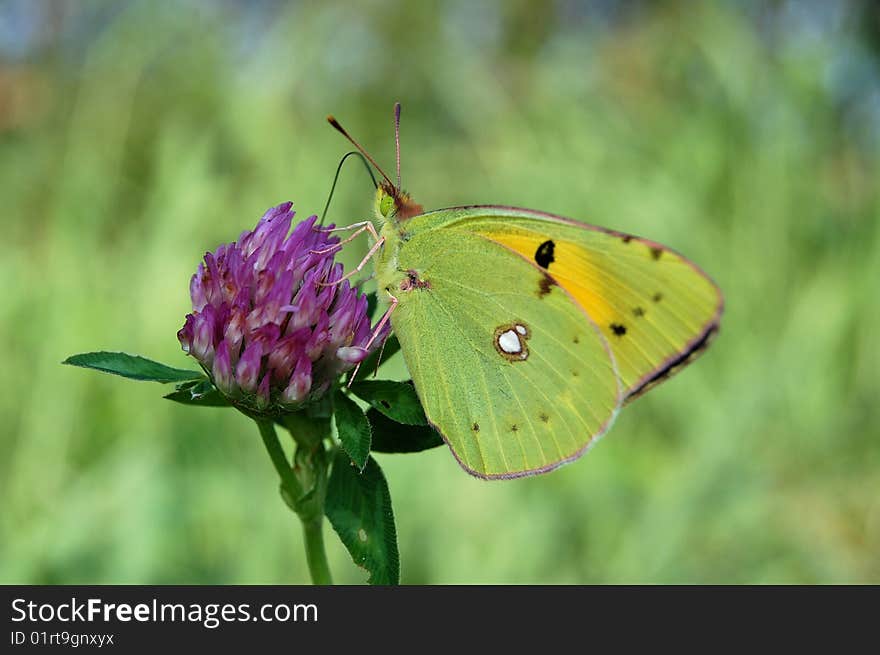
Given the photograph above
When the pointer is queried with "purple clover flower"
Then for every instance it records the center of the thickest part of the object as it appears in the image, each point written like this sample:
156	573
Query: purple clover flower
270	325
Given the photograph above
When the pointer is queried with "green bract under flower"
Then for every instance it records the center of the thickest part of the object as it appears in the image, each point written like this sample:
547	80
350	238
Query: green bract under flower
271	323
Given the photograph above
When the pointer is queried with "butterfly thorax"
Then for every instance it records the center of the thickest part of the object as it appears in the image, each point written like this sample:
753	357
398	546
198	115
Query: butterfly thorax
393	209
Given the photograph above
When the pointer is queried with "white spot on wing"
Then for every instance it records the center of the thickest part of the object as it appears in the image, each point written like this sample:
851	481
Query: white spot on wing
509	342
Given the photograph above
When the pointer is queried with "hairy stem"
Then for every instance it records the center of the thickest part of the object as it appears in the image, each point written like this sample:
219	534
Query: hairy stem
313	534
304	486
289	483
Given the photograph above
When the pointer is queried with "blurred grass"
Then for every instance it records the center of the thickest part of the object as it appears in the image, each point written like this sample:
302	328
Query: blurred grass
134	136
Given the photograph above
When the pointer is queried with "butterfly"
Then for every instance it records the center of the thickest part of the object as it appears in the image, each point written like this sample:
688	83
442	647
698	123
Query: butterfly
525	332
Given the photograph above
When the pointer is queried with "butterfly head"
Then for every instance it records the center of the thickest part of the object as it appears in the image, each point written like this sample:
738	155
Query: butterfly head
394	204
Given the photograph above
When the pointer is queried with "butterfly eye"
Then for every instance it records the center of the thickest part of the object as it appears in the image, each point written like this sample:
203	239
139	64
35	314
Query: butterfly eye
386	204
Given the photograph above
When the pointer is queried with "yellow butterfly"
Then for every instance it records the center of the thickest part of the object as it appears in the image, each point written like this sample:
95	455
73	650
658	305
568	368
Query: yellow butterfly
525	332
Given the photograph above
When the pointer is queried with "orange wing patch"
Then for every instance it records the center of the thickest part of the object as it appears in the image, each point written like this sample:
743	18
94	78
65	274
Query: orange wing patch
570	267
656	309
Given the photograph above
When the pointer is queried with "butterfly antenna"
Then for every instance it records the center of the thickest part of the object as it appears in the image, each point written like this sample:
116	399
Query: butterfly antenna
341	130
336	178
397	138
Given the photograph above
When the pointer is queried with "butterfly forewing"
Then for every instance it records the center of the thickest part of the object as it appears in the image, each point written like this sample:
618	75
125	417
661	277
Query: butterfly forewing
510	369
656	308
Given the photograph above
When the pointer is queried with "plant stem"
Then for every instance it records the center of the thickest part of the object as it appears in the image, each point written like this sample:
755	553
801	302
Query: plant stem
270	439
303	488
313	535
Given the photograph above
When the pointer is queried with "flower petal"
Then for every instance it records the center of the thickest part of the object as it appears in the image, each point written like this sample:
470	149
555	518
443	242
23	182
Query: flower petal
247	371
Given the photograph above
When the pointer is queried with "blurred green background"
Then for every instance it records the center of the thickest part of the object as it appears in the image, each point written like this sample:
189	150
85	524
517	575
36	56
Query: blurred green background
136	135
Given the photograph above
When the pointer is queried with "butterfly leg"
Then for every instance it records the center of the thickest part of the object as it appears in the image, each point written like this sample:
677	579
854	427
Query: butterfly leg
382	321
360	228
359	267
376	331
362	281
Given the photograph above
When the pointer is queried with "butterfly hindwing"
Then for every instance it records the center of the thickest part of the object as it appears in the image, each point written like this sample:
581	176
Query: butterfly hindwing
509	368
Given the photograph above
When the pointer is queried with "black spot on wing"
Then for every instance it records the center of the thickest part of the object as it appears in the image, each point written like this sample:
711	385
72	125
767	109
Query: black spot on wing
544	417
475	427
638	312
544	254
657	297
545	285
626	238
514	428
656	253
618	329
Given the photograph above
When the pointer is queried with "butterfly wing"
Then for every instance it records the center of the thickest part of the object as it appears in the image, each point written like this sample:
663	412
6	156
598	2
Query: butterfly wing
656	308
509	368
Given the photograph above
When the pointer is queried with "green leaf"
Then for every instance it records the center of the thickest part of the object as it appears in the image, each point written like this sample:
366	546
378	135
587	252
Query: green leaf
359	509
352	428
132	366
392	437
396	400
200	393
371	363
